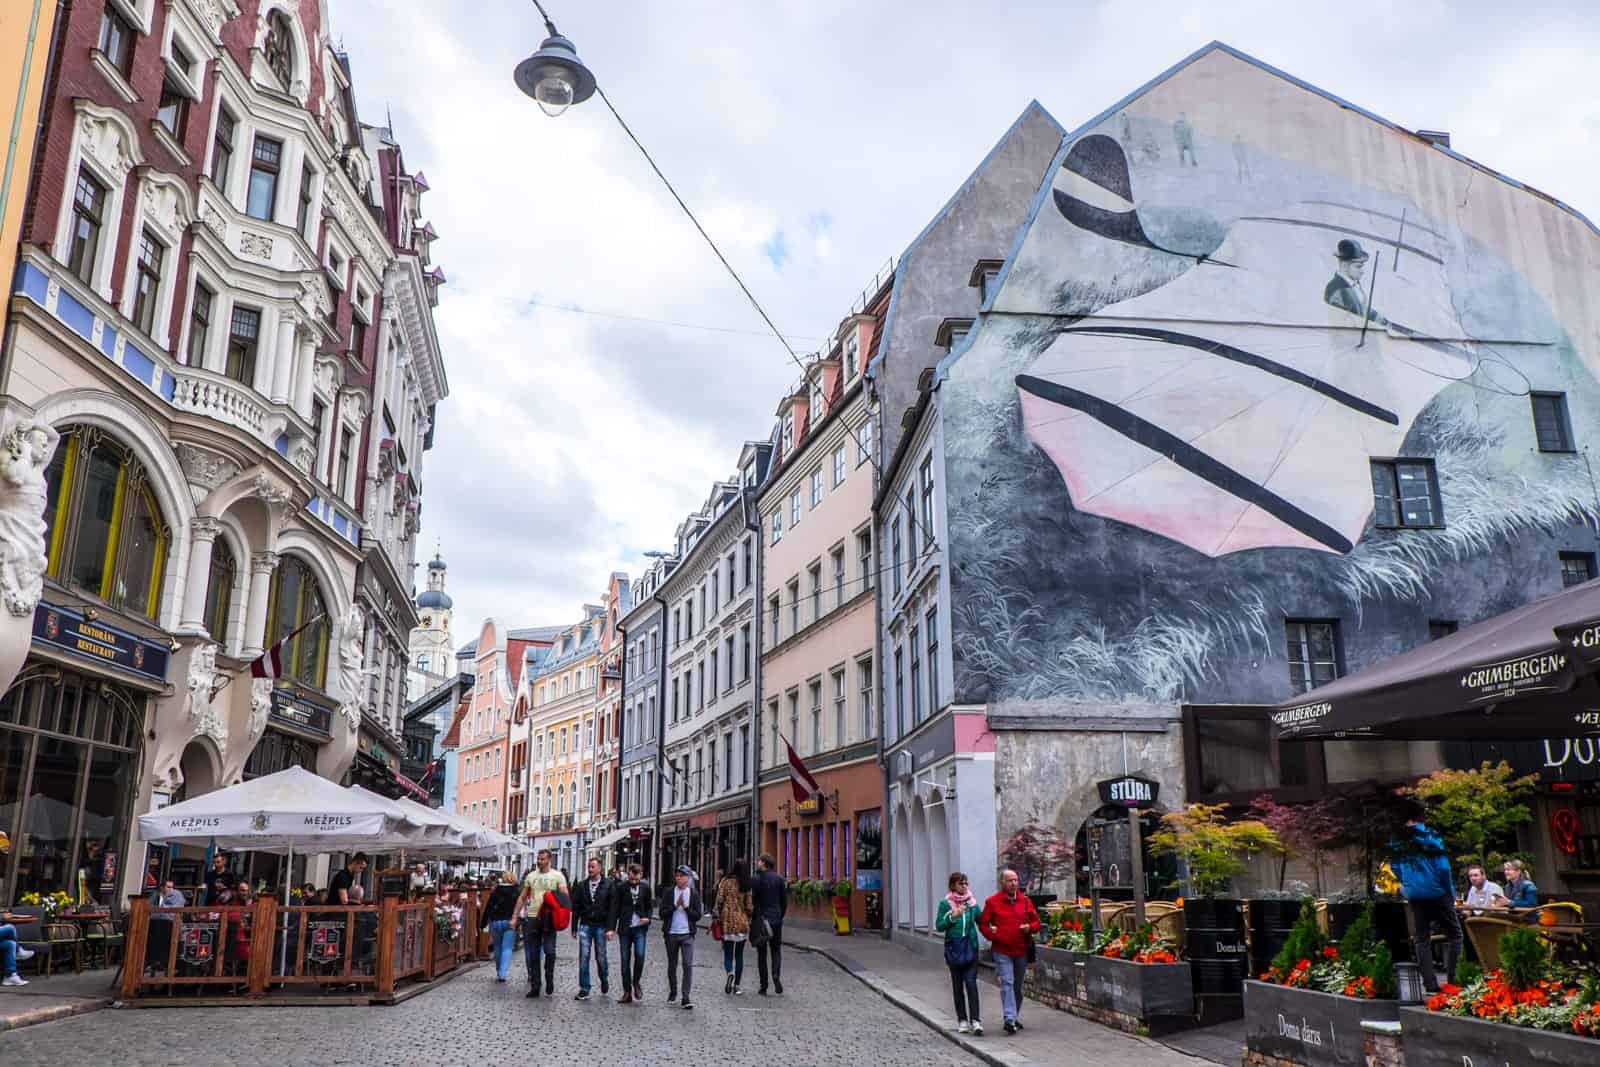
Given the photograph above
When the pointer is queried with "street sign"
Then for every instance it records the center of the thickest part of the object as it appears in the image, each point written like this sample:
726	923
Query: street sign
1130	791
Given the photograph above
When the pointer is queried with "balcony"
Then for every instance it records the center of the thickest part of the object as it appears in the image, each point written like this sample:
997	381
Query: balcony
187	390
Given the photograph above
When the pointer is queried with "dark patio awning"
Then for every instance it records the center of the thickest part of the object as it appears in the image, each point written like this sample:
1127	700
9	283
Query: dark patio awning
1526	673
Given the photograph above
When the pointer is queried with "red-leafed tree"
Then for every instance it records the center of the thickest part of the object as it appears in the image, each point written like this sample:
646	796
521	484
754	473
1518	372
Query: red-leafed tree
1039	855
1306	830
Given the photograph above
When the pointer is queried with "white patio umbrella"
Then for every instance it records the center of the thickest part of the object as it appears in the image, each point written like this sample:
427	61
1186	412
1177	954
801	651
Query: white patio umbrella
280	812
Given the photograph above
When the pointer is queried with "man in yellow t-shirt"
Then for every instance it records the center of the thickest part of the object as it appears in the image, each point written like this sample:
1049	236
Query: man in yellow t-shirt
538	935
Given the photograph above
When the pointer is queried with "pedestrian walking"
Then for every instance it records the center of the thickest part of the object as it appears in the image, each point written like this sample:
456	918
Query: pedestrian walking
543	889
496	918
958	922
1423	869
732	907
591	925
1009	921
771	896
631	908
680	913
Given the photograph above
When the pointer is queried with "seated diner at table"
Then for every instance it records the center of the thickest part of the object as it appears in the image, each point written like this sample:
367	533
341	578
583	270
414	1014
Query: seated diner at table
1520	892
1481	892
10	950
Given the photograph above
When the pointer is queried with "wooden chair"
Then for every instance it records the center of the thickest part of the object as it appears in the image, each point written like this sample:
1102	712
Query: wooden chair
102	941
1565	912
1485	931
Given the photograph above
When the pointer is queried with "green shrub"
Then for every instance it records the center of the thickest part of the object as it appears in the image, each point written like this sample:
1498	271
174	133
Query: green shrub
1523	958
1305	941
1467	972
1366	956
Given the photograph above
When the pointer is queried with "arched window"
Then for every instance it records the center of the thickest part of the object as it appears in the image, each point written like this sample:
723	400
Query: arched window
561	798
277	49
219	590
107	537
297	601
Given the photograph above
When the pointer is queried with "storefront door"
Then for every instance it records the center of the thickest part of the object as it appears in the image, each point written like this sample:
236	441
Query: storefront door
68	759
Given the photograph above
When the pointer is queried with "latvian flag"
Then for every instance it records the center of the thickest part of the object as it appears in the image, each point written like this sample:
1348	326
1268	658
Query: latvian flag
800	780
270	663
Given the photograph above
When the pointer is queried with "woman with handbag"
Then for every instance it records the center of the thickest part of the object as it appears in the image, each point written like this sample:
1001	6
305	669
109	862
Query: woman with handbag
958	921
731	922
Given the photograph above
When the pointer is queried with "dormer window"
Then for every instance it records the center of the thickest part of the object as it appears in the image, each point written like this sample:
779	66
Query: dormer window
277	50
984	275
814	405
852	349
951	332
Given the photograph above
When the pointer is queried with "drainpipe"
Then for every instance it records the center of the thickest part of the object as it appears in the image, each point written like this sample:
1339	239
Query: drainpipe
661	742
886	819
622	705
757	697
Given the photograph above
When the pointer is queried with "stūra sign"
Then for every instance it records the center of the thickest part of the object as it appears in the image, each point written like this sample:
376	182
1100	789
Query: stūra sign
1130	791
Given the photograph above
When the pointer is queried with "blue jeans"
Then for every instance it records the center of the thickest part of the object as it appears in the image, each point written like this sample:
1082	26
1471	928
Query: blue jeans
1011	971
592	935
630	955
8	950
502	938
535	945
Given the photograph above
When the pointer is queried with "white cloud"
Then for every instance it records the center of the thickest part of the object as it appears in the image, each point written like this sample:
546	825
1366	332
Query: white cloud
572	442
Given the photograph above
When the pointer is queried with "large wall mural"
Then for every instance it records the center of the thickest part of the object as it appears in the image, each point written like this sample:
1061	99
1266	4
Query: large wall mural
1234	296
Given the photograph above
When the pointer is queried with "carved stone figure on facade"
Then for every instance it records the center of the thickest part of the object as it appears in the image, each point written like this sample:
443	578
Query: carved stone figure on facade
202	676
352	636
24	453
260	708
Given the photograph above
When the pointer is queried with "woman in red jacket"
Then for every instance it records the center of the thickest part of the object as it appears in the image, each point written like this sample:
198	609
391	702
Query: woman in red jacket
1009	921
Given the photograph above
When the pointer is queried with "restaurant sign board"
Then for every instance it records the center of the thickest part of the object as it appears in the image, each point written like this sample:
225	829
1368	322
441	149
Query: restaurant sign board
68	630
1130	791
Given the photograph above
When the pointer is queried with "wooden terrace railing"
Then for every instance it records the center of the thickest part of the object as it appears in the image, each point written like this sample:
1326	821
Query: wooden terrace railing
262	945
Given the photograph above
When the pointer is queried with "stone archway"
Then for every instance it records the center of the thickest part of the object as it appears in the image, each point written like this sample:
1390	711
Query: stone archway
901	855
922	870
201	767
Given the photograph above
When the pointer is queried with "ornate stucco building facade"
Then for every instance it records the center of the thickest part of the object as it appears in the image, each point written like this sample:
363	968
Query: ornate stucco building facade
203	332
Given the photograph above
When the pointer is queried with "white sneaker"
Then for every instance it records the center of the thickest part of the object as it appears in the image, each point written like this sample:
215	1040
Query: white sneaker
977	1029
14	979
962	1028
24	953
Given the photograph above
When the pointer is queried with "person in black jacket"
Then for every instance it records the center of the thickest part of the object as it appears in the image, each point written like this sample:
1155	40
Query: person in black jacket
591	925
771	895
680	910
632	906
496	918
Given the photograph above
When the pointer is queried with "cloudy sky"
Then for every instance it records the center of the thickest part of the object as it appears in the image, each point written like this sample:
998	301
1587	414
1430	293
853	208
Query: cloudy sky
814	140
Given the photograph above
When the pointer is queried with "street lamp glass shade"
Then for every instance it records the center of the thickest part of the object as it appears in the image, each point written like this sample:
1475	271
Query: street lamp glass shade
555	77
554	93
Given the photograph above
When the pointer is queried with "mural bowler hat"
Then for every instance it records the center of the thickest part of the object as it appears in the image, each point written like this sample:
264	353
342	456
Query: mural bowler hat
1348	249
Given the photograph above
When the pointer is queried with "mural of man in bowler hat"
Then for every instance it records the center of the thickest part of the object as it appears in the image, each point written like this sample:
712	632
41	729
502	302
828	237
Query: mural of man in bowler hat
1345	290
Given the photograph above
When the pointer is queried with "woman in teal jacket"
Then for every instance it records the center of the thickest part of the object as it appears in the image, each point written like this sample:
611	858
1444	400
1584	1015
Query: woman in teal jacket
958	922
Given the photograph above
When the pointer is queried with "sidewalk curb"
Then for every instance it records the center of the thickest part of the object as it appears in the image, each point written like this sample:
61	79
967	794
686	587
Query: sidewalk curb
914	1007
51	1014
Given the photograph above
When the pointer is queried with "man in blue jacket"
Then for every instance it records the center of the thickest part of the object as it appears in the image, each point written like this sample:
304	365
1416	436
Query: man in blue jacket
1424	873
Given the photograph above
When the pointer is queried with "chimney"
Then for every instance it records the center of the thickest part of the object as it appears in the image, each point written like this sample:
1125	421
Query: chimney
1435	137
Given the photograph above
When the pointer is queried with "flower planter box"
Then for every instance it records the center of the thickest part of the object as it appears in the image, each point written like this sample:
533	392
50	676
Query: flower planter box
1059	977
1308	1027
1159	995
444	957
1434	1040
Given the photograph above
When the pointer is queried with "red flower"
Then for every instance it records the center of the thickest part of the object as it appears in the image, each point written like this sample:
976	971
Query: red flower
1330	953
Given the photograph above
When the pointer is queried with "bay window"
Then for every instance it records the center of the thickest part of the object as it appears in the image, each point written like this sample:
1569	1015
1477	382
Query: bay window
262	195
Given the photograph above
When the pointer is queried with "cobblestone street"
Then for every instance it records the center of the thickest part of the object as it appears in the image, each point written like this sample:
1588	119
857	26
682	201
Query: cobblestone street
825	1017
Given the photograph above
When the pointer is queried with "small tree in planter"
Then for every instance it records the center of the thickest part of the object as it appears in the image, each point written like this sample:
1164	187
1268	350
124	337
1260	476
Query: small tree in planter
1473	809
1040	856
1212	848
